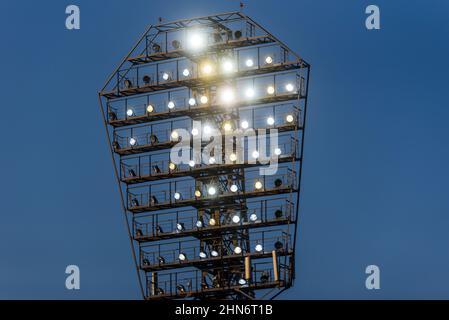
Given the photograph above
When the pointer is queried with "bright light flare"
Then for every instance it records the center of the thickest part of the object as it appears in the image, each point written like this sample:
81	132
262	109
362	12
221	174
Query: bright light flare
289	87
227	95
249	63
227	66
204	99
192	102
250	93
212	191
196	41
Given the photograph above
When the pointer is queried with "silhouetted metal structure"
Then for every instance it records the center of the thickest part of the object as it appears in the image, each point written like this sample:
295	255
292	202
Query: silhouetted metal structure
217	229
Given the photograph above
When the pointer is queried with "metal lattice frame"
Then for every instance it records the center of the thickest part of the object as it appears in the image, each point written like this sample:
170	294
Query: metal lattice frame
145	178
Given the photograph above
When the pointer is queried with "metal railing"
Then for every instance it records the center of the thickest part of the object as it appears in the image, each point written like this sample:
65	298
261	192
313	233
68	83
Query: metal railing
184	190
158	164
257	213
259	243
183	284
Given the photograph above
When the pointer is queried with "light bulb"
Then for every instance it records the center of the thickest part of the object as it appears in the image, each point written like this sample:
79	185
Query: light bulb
253	217
255	154
259	248
227	95
197	193
258	185
249	93
227	126
234	188
207	69
207	129
172	166
196	41
191	163
129	112
244	124
212	191
277	151
270	90
171	105
195	132
182	256
249	63
192	102
177	196
236	219
202	255
212	222
132	141
233	157
270	121
289	87
211	160
214	253
150	108
186	73
165	76
289	118
237	250
268	60
174	135
204	99
228	66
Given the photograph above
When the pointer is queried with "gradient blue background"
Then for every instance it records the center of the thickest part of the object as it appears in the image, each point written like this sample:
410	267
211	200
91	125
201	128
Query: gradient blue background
375	188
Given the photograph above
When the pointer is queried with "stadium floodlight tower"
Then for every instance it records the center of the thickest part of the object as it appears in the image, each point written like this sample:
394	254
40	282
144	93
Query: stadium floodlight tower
196	114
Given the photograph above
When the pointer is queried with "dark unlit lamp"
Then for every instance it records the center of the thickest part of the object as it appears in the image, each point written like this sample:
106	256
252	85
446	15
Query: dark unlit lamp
181	289
156	47
278	245
176	44
112	116
264	277
278	183
278	214
132	173
153	139
154	200
146	79
128	83
135	202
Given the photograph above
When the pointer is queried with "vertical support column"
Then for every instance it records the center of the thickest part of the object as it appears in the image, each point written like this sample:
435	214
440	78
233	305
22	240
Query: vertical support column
248	269
154	284
275	266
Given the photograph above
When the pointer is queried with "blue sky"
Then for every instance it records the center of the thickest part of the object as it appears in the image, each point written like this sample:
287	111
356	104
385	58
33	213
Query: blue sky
376	154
